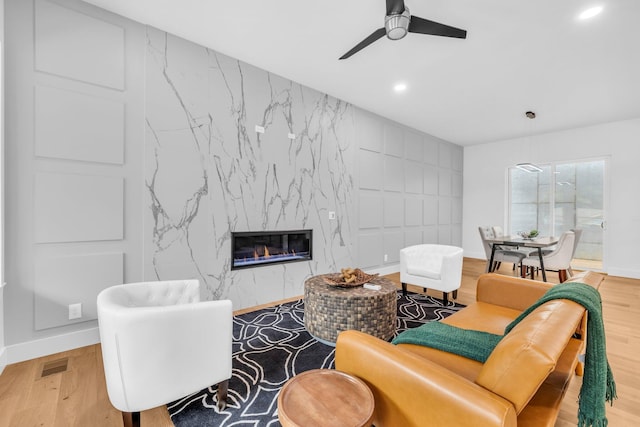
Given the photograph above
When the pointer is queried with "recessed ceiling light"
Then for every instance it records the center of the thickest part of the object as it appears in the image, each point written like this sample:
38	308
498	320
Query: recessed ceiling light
590	13
400	87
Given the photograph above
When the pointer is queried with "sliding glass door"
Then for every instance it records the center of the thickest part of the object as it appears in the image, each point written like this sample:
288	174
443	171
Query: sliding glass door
561	197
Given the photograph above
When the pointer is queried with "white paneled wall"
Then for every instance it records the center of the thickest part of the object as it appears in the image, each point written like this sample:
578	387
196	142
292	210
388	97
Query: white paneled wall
410	190
74	164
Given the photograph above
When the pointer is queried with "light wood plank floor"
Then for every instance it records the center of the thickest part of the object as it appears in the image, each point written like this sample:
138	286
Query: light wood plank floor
78	397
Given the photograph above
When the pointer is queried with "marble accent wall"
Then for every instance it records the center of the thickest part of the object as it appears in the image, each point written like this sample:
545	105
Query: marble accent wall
208	172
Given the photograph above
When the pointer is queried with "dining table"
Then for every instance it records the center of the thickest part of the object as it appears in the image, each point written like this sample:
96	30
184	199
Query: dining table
521	242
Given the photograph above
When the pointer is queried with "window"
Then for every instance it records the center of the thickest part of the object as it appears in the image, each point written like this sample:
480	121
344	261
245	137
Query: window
563	196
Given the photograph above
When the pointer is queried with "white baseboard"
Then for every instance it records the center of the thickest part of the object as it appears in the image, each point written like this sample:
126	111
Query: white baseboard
390	269
43	347
3	359
623	272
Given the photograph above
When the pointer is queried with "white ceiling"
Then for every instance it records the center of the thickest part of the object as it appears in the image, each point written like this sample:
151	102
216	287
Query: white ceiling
519	55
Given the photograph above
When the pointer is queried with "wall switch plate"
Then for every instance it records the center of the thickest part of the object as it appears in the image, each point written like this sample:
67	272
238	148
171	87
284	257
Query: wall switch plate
259	129
386	257
332	215
75	311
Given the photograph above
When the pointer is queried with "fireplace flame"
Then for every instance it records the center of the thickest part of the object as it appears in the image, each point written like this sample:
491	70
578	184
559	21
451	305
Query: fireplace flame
266	252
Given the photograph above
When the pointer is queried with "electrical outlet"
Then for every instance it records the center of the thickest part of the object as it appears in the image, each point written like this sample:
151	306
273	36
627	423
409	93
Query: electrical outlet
386	257
259	129
75	311
332	215
291	136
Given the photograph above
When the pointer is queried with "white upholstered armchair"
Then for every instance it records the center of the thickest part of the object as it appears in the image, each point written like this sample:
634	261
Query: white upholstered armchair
161	343
559	259
436	267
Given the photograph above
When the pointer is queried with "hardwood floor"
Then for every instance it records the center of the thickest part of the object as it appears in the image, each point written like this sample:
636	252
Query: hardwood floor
78	396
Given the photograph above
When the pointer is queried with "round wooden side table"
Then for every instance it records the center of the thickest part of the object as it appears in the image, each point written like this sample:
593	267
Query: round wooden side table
325	397
329	310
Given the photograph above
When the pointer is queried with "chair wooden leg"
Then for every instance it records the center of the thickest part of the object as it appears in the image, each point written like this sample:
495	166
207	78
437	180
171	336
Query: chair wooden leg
424	290
131	419
455	294
404	289
221	394
445	298
562	275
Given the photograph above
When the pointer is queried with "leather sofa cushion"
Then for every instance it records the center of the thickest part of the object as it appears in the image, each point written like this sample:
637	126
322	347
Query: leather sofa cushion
484	317
525	357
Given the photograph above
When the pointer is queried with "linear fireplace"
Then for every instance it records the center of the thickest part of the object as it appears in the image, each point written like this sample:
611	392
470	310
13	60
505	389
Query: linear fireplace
258	248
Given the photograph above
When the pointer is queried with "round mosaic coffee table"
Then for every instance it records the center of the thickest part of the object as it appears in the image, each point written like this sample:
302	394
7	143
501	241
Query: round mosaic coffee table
329	310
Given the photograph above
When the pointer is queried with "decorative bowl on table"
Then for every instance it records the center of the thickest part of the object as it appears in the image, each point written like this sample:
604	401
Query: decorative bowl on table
529	235
349	278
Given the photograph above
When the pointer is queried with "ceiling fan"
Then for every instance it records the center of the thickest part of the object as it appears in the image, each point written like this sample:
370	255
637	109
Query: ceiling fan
399	21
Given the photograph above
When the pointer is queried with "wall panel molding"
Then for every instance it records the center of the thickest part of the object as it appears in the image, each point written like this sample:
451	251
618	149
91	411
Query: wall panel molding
71	279
421	192
76	208
76	126
77	46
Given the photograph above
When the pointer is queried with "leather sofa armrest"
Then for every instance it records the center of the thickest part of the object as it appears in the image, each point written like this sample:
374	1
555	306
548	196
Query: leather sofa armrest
411	391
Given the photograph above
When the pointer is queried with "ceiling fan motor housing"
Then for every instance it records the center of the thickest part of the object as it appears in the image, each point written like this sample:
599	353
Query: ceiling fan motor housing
397	26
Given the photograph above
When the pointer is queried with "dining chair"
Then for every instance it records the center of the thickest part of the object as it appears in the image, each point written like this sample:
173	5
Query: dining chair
161	343
578	234
501	254
558	260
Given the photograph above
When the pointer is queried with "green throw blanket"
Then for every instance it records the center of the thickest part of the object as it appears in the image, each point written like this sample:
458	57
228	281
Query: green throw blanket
598	385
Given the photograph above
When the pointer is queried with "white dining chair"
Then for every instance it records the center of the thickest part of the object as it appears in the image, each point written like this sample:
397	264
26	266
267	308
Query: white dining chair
161	343
558	260
578	234
500	255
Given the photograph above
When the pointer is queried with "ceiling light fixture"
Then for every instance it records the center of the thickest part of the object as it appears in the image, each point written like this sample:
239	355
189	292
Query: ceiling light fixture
400	87
529	167
590	13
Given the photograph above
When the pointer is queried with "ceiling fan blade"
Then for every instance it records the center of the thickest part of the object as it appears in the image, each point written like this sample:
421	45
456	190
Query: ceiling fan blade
377	34
424	26
395	7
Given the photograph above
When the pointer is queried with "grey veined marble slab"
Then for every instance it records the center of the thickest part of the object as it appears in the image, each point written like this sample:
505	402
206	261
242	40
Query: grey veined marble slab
208	172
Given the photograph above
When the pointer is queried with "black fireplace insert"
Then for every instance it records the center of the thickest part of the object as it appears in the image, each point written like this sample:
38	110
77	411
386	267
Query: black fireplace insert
258	248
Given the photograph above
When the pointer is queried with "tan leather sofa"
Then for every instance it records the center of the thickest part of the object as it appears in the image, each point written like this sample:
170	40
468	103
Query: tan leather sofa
521	383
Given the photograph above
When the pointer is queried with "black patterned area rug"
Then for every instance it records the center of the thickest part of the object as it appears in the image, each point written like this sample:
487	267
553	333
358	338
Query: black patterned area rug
269	347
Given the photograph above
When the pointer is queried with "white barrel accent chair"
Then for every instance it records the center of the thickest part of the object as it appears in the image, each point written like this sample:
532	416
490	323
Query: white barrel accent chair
161	343
432	266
